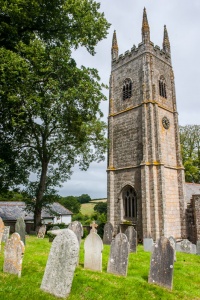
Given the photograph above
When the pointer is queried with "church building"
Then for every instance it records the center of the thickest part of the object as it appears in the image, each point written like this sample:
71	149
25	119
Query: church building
146	182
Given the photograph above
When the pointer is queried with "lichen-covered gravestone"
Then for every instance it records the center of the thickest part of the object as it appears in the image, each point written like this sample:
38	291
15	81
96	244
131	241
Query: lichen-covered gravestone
62	261
131	234
13	255
162	264
173	243
198	247
20	227
93	247
186	247
41	231
119	253
77	228
1	230
108	233
6	234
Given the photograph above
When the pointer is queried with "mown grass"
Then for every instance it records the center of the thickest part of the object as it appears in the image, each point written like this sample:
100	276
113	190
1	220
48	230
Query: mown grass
88	208
89	285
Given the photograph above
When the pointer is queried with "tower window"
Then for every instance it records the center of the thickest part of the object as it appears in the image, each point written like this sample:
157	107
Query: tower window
130	202
162	87
127	89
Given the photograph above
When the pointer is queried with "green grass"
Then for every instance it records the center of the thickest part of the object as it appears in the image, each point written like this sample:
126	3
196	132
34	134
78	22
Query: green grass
89	285
88	208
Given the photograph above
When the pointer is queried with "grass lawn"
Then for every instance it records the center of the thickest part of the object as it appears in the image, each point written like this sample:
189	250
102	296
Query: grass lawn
87	208
88	285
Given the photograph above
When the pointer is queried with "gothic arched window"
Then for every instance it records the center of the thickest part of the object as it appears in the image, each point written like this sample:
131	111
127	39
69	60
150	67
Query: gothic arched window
127	89
162	87
129	202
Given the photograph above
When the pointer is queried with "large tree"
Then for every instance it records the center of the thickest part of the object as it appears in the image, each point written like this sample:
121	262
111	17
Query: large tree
190	148
49	108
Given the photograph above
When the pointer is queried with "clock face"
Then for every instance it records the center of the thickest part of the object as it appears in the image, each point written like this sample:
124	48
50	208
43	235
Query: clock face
165	122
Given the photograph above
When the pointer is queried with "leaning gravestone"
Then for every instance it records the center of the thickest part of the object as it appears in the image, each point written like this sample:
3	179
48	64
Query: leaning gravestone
119	252
108	233
173	243
20	228
131	234
1	230
41	232
93	247
148	244
198	247
13	255
186	247
62	260
77	228
162	264
6	234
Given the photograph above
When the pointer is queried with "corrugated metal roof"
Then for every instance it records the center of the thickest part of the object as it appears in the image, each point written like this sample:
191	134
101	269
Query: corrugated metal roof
12	210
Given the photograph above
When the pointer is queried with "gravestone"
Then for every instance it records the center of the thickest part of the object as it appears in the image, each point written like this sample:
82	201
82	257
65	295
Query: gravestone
61	263
119	252
93	247
186	247
148	244
20	228
6	234
198	247
94	226
42	231
77	228
108	233
13	255
131	234
173	243
162	264
55	228
1	230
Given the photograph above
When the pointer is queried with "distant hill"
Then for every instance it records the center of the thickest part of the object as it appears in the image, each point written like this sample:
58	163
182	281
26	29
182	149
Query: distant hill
88	208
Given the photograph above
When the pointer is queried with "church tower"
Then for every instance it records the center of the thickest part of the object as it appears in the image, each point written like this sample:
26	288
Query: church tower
145	172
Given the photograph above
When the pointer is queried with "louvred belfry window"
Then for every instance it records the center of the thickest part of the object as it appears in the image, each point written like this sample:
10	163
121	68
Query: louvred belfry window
127	89
162	87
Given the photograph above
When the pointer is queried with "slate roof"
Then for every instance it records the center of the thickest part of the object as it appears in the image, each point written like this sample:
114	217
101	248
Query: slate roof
191	189
11	210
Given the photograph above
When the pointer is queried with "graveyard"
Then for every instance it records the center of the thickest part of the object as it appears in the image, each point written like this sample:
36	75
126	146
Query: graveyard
98	285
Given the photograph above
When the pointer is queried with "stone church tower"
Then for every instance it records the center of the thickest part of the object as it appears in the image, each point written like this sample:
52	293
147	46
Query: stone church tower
145	171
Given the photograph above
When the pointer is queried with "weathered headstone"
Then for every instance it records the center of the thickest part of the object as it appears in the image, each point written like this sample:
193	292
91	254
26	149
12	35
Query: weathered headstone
20	227
131	234
94	226
13	255
6	234
77	228
42	231
108	233
1	230
162	264
198	247
62	261
186	247
173	243
93	247
119	253
148	244
55	228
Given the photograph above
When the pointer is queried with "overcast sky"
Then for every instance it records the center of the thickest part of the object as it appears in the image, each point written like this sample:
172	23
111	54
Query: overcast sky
182	18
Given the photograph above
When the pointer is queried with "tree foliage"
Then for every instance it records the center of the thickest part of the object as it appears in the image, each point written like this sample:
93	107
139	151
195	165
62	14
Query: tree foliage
101	208
71	203
49	108
84	198
190	148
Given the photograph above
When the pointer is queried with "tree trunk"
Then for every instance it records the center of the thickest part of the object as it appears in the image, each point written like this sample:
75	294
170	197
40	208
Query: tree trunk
39	196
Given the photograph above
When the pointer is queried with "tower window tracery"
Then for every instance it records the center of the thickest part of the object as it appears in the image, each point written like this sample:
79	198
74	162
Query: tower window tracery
130	202
162	87
127	89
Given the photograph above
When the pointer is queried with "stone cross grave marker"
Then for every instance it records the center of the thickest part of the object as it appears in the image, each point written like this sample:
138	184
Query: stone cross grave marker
1	230
162	264
93	247
94	226
6	234
13	255
42	231
173	243
186	247
20	228
148	244
119	253
61	264
108	233
77	228
131	234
